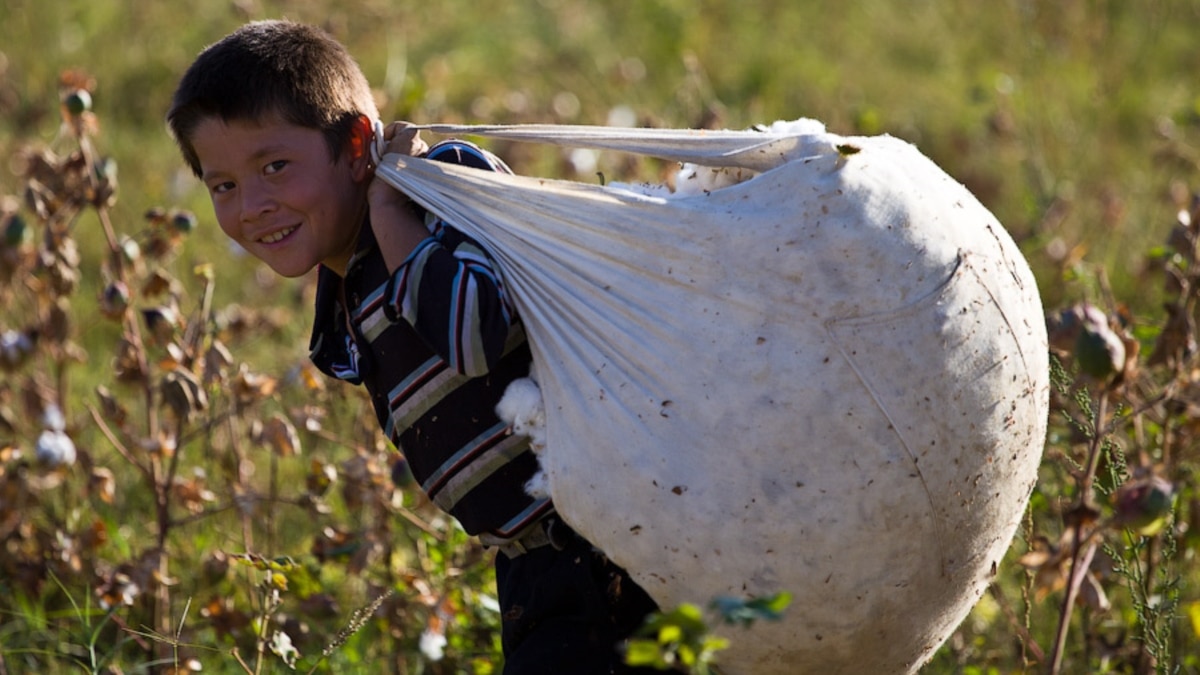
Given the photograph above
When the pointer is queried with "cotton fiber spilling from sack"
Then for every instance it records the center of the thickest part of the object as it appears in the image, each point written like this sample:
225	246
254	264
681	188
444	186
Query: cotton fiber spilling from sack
826	376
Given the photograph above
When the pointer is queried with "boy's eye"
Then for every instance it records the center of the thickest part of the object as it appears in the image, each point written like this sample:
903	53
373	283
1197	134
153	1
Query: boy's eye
275	166
221	188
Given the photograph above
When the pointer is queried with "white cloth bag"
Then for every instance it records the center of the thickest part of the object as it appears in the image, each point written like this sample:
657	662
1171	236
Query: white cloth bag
830	379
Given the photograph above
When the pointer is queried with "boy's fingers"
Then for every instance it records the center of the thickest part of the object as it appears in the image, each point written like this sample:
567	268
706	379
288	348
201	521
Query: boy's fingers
402	137
398	128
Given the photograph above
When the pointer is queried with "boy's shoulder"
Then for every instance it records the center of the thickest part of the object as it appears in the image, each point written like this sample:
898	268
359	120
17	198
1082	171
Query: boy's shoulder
466	153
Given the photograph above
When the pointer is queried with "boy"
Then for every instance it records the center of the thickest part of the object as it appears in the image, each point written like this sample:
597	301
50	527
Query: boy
276	120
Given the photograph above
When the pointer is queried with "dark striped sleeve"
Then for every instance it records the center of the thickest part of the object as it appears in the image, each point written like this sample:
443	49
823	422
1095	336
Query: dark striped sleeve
450	290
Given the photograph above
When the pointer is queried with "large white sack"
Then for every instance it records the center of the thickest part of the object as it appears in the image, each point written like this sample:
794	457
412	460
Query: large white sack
830	379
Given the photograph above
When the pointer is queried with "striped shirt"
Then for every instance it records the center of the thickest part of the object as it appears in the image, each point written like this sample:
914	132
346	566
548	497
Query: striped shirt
435	344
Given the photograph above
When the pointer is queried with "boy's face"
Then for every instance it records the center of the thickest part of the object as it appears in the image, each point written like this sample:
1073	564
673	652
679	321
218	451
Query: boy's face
277	194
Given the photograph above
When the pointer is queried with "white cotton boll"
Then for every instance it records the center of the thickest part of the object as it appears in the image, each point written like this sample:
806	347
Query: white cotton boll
694	179
521	407
52	418
538	487
283	647
802	126
623	115
522	401
432	645
583	160
55	448
15	347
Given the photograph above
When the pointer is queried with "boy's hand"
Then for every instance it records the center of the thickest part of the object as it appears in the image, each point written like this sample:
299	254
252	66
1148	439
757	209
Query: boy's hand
401	138
397	228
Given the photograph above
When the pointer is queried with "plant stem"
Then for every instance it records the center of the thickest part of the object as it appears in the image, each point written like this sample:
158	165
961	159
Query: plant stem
1081	560
1027	640
273	497
1082	550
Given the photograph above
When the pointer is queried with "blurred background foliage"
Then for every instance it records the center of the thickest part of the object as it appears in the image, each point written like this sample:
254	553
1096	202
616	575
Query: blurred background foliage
1076	122
1069	119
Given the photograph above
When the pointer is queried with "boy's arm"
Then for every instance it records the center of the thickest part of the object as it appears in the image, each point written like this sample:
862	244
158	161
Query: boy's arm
447	286
397	226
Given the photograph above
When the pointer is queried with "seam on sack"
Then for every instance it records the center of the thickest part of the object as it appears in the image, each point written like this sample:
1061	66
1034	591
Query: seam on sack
877	398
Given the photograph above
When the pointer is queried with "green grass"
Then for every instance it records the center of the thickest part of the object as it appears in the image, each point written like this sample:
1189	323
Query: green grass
1076	123
1028	103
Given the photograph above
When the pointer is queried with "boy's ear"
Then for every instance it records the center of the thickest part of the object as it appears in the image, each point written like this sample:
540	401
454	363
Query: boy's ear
361	135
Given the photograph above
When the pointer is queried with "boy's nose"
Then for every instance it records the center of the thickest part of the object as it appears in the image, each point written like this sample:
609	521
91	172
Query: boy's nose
255	203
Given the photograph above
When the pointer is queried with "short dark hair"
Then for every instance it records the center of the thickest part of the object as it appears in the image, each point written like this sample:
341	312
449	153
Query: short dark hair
296	71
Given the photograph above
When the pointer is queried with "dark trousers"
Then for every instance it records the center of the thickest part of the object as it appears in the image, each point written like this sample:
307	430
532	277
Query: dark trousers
566	612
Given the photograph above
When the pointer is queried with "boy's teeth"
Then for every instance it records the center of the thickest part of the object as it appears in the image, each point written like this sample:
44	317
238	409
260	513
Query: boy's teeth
276	236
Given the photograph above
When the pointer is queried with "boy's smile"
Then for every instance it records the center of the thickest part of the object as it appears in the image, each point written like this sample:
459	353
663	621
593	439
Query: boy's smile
277	193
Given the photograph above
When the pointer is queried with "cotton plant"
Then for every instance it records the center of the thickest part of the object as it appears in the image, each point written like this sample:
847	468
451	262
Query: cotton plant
54	447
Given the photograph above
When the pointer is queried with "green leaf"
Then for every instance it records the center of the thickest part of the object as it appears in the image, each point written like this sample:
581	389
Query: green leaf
714	643
645	653
670	633
686	618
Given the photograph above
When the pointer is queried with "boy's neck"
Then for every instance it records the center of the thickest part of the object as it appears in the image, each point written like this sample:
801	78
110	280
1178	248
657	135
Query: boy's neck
362	238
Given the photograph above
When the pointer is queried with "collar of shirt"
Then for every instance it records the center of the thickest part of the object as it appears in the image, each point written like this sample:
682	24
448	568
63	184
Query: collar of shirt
332	347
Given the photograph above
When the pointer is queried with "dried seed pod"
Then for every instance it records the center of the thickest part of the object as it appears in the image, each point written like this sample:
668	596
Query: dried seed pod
15	349
104	193
183	394
1144	504
131	251
164	445
114	299
159	282
1099	351
17	233
60	262
127	365
160	245
155	215
280	435
57	327
111	408
194	492
184	222
103	484
118	591
1063	327
162	321
320	476
250	387
77	102
217	360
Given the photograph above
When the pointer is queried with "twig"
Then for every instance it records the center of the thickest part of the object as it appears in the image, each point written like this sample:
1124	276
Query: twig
1027	639
1081	560
241	662
1083	549
120	447
206	513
